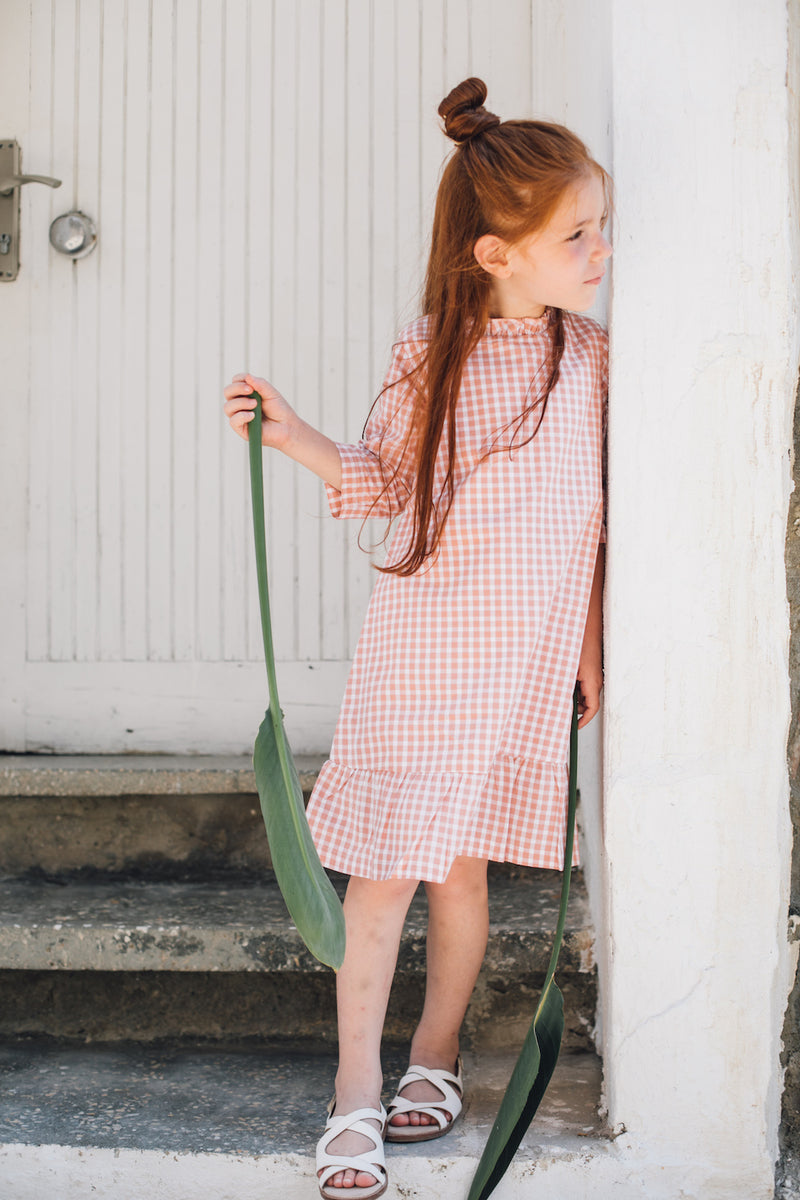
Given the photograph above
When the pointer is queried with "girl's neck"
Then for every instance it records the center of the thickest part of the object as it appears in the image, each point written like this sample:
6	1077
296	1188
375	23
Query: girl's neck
505	301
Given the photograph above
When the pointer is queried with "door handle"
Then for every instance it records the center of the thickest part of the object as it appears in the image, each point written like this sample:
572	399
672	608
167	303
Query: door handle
10	182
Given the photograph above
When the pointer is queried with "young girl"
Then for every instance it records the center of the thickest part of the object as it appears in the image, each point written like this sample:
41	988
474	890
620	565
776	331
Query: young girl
486	445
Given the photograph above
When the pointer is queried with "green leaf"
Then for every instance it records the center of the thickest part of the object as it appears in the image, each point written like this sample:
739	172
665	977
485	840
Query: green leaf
307	891
309	895
539	1054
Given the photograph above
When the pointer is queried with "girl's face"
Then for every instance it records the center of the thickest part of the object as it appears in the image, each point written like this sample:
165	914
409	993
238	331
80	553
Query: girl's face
561	265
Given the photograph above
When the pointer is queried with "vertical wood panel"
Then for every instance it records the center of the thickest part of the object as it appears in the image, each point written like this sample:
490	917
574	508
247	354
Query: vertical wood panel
135	481
359	373
383	245
410	232
432	145
257	267
234	526
111	321
208	249
310	254
572	75
332	344
43	402
62	426
186	389
281	490
155	401
458	42
86	291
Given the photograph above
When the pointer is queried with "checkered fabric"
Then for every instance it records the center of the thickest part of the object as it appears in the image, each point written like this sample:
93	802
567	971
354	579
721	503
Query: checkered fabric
453	735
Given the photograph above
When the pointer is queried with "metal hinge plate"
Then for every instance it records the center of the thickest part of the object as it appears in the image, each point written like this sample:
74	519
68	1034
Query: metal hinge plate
9	213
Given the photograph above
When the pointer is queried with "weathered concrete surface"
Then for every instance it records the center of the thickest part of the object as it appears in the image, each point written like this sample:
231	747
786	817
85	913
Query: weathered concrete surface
126	1122
135	774
107	961
119	1124
154	837
147	1006
157	836
153	816
193	927
789	1171
243	1100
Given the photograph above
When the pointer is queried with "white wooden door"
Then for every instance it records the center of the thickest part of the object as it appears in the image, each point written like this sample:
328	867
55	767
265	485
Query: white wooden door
261	173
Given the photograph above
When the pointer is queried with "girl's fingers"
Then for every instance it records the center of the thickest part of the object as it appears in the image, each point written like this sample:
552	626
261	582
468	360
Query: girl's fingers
236	389
587	710
239	424
238	404
588	700
257	384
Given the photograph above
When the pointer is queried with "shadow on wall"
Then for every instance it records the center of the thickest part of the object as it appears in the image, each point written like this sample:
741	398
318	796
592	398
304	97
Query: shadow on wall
789	1166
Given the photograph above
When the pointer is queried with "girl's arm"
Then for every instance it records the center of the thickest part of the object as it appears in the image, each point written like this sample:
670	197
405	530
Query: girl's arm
282	429
590	666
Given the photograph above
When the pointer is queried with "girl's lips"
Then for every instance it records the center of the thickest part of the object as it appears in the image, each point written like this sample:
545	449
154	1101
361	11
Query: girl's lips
597	279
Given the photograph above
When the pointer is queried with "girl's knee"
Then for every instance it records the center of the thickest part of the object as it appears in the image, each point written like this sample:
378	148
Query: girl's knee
382	893
466	880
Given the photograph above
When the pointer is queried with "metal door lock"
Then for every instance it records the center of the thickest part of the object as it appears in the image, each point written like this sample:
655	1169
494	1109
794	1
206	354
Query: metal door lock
10	183
73	234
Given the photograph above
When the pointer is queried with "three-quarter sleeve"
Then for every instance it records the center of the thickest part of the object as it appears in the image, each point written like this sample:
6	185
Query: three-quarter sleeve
377	471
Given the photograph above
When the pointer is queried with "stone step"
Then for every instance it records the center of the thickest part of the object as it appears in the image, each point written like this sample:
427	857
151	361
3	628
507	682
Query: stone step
157	815
110	959
224	1122
148	816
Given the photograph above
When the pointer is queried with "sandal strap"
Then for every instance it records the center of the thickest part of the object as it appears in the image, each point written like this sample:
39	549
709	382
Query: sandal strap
346	1120
358	1164
372	1161
451	1086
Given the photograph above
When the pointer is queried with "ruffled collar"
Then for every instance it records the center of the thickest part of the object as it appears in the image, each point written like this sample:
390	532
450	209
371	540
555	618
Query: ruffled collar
518	326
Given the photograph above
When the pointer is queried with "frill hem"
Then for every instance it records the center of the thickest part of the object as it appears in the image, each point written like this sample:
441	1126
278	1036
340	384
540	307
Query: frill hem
380	824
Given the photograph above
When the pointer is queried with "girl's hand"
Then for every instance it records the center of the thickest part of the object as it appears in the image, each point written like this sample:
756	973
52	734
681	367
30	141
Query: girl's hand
281	428
590	681
590	664
280	420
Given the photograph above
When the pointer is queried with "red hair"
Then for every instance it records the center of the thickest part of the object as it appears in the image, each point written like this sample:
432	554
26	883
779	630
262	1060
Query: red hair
505	178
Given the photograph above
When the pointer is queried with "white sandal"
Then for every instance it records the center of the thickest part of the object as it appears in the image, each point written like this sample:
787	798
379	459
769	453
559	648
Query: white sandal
450	1103
373	1162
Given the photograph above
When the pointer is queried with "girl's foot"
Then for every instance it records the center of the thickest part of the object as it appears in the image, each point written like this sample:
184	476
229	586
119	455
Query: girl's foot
438	1093
352	1142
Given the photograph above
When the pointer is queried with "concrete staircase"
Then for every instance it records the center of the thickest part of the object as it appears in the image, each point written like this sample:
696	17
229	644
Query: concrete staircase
164	1030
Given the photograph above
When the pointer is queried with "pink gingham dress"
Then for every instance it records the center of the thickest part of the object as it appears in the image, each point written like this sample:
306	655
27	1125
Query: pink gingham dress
453	735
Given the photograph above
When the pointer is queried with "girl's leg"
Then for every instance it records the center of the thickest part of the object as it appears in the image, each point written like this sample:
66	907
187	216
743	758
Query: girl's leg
374	915
458	928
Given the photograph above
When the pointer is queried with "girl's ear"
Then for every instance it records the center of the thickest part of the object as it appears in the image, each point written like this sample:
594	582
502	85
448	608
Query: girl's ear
491	253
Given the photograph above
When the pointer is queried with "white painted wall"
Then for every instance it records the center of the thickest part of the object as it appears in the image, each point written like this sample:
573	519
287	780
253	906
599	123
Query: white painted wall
695	966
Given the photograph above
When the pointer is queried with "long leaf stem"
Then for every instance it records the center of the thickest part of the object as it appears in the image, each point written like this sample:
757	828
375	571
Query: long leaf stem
568	850
539	1054
259	536
308	892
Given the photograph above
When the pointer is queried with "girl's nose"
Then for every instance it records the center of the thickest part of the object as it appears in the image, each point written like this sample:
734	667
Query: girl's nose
603	248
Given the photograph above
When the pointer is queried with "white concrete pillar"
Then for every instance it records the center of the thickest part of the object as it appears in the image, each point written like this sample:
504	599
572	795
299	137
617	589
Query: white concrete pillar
696	965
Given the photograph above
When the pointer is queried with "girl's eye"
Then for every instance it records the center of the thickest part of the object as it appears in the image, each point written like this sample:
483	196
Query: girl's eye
574	236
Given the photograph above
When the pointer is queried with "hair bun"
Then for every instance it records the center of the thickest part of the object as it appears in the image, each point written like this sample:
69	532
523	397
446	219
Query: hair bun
463	113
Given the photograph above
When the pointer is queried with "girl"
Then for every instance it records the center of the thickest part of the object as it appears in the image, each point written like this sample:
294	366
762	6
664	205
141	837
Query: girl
486	445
